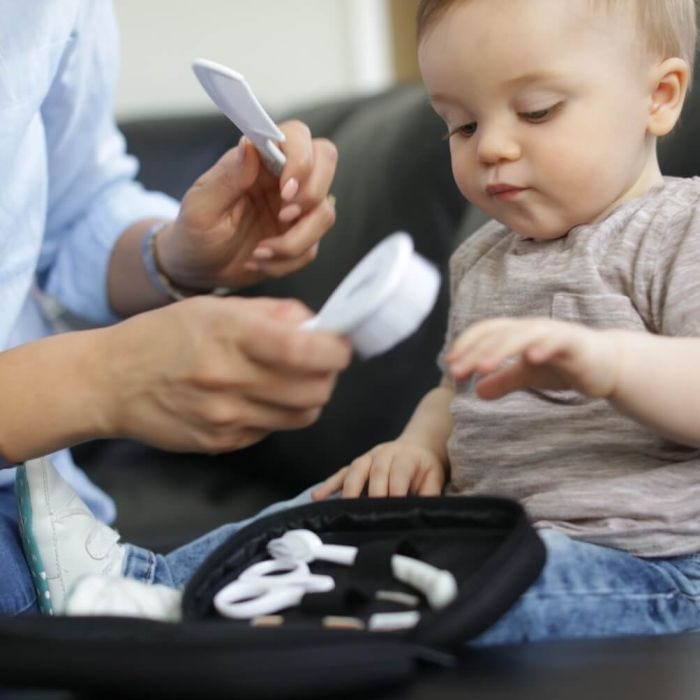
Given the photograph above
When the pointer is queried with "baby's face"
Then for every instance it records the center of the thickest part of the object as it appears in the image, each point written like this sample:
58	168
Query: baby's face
547	104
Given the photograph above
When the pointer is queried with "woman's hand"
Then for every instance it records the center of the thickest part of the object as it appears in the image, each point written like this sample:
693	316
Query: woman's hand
215	374
239	223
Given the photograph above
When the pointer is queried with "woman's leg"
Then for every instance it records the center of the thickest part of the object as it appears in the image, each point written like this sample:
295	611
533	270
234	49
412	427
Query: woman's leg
586	590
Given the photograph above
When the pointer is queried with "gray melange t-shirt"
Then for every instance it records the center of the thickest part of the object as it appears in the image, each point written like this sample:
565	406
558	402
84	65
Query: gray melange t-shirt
575	463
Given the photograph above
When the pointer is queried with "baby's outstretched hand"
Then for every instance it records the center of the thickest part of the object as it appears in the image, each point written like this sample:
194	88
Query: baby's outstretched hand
508	354
390	469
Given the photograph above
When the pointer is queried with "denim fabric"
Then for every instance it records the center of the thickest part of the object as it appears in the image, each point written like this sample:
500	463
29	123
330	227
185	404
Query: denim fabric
176	568
17	595
584	590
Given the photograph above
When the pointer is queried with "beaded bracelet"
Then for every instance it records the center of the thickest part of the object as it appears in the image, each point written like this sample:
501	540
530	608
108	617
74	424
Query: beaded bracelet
158	277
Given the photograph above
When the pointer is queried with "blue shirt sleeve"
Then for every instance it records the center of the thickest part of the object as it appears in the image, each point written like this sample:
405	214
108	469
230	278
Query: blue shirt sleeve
92	194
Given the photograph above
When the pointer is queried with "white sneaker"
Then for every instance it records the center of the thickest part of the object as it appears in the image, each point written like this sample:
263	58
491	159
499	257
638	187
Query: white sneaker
124	597
63	541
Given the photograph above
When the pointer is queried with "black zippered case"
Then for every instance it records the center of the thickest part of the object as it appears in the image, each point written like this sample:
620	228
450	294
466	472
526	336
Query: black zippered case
486	543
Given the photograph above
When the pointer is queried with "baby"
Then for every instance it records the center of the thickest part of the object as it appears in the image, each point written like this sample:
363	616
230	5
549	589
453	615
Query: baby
572	360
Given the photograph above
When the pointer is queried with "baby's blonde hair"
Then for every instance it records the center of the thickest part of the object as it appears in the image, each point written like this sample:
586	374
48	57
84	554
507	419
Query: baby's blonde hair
668	25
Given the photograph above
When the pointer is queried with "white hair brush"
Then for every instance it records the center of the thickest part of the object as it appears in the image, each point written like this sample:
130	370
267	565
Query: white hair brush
384	298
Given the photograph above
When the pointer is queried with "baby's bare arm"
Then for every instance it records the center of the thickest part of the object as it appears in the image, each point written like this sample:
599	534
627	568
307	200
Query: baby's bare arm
659	383
431	422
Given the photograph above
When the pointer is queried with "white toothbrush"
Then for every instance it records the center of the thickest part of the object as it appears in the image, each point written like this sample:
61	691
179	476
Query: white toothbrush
232	95
383	299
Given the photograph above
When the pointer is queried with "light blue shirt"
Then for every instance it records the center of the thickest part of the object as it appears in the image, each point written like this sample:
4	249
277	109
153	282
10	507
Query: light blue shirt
67	189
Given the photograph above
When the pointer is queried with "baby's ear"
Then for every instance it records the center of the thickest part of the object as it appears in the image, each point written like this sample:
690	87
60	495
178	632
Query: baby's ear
669	81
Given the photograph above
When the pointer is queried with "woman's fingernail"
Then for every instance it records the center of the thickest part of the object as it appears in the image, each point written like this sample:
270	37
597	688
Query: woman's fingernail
263	253
241	149
291	187
289	213
251	266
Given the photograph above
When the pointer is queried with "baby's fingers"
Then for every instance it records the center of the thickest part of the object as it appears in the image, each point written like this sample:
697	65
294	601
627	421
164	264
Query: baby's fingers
502	382
331	485
476	334
431	483
357	476
481	348
400	476
501	341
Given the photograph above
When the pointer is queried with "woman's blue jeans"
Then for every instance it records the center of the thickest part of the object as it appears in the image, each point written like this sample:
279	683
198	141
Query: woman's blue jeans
584	590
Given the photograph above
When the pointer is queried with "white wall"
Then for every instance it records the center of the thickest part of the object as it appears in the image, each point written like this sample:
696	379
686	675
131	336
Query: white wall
290	51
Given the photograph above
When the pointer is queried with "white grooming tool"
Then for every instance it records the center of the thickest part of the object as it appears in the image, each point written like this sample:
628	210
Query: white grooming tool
304	546
437	585
393	621
383	299
232	95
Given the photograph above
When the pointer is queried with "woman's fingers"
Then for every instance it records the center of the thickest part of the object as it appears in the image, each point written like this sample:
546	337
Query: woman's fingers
298	245
316	186
299	150
286	347
218	190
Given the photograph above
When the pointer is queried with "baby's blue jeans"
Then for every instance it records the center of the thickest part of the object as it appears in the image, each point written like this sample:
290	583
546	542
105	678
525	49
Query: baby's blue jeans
584	590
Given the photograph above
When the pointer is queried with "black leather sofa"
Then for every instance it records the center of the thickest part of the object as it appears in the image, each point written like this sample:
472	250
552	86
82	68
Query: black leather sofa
393	174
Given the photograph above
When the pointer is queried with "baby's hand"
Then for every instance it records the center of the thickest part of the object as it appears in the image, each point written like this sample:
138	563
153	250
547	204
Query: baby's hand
541	353
390	469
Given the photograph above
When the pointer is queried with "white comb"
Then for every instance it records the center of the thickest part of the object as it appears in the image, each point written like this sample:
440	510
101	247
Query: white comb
383	299
232	95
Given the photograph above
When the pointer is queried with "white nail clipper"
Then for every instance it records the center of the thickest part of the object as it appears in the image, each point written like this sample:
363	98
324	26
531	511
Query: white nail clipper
390	291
